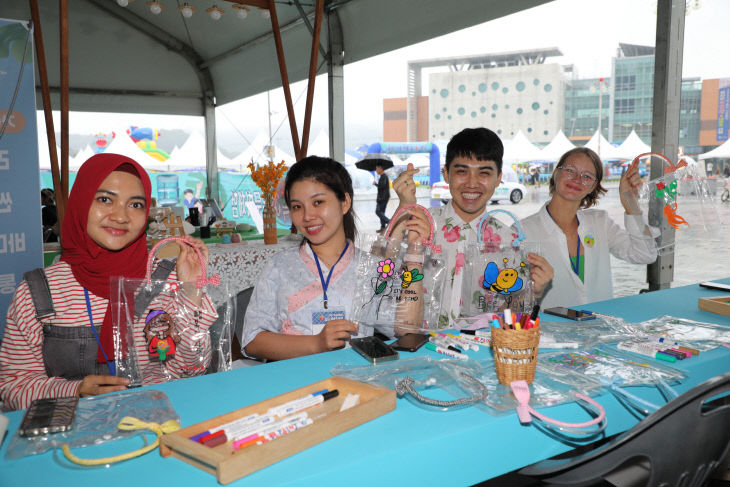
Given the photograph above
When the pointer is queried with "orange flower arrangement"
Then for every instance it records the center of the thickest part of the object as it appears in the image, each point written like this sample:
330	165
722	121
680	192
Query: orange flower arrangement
267	178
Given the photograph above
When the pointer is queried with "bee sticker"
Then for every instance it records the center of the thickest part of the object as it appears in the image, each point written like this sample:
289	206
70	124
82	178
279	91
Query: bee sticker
409	277
505	281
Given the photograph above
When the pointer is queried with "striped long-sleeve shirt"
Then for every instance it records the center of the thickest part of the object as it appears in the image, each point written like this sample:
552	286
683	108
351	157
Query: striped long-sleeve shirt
23	375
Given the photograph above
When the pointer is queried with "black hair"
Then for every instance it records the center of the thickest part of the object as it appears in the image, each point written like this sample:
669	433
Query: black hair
330	173
478	143
591	198
188	190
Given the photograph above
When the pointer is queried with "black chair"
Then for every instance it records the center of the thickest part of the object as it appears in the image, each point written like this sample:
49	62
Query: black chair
242	300
680	444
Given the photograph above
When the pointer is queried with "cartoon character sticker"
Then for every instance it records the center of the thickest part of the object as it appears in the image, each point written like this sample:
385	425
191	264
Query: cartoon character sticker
589	240
159	331
410	277
505	281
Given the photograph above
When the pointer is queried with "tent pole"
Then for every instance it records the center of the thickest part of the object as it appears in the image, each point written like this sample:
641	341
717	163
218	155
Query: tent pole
335	85
284	80
47	109
63	28
319	8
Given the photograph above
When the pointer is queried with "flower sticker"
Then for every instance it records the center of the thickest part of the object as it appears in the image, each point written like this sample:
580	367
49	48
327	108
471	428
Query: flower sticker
589	240
174	287
385	268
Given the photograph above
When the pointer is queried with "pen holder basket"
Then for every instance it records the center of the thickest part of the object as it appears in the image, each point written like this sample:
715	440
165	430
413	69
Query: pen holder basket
515	354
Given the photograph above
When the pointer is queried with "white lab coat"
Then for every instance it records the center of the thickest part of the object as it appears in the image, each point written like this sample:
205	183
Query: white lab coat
566	288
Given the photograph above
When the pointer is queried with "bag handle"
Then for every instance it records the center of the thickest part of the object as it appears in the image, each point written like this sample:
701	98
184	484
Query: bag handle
521	391
428	242
671	167
485	218
202	279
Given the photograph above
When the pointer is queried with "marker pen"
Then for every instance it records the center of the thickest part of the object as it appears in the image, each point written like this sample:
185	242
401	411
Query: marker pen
449	340
508	317
686	354
467	344
444	351
690	350
640	347
679	355
480	333
440	342
298	404
495	323
535	311
259	432
223	427
479	339
665	356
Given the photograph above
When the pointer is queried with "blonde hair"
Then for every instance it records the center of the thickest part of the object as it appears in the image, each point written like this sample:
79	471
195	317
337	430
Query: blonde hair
591	198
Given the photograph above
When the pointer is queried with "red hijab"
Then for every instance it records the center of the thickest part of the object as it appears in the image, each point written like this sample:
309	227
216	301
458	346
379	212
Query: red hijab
91	264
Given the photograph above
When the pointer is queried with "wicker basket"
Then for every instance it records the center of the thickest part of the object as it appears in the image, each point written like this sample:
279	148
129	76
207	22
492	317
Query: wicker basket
515	354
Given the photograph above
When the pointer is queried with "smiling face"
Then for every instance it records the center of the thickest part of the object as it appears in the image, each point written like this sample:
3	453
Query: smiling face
472	184
117	215
316	211
507	278
569	178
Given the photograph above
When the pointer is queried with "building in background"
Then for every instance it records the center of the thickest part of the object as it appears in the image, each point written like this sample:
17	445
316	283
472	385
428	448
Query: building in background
582	100
715	112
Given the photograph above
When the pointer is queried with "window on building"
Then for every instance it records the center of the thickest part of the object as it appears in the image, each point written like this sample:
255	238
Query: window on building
626	82
625	106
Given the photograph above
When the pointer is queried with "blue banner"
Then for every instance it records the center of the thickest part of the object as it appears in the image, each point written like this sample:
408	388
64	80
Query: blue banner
723	113
21	231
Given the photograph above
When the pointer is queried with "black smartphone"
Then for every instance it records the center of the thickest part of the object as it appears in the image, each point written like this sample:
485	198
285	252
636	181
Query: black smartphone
410	342
715	285
571	314
46	416
374	349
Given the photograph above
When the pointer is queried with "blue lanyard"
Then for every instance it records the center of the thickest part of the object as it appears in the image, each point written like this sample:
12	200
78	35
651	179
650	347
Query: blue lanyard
109	363
325	284
576	267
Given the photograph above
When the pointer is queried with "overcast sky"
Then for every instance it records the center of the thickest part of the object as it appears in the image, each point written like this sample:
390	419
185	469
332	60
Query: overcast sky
586	31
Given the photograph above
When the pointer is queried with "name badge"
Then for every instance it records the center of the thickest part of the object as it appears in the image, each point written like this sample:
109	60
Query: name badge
321	317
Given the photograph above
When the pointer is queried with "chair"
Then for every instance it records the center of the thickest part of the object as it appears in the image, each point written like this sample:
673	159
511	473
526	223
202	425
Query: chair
680	444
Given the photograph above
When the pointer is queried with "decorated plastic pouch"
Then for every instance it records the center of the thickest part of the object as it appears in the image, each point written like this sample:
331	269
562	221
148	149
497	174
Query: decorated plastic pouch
496	273
686	200
399	284
161	334
688	333
98	421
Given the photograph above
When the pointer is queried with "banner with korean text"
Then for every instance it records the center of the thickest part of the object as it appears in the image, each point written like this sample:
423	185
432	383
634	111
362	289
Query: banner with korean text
21	245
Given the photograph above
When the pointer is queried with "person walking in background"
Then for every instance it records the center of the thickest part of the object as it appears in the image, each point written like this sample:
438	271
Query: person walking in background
49	215
381	201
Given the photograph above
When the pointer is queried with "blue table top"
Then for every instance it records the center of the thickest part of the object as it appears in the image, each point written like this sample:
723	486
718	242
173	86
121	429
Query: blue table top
463	446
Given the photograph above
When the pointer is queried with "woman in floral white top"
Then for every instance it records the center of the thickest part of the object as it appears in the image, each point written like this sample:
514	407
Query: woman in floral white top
473	170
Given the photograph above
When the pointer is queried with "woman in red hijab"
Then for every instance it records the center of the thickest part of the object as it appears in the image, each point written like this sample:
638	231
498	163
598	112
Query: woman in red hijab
103	236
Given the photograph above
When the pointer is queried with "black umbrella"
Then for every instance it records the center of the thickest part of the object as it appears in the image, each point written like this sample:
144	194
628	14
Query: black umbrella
369	162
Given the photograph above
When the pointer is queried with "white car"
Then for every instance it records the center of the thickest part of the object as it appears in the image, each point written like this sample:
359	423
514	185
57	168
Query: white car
513	192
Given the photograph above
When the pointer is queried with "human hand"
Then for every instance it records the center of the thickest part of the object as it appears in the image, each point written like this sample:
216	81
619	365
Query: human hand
335	333
541	272
93	385
629	187
418	226
405	187
188	263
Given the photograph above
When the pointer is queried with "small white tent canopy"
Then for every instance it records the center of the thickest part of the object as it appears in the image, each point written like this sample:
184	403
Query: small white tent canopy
418	160
320	146
633	146
124	145
253	153
721	152
81	157
607	151
556	148
520	149
191	156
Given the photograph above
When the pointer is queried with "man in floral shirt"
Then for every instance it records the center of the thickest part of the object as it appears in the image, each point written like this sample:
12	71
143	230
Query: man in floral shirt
473	170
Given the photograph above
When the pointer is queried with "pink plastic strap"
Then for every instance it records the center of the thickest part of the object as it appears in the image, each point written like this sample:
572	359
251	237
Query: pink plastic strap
428	242
522	393
201	281
671	166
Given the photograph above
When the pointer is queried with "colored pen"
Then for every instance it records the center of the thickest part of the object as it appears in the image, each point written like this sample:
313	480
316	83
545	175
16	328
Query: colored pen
535	311
463	341
508	317
299	404
537	322
483	340
690	350
446	352
480	333
229	426
276	426
495	323
440	342
679	355
683	352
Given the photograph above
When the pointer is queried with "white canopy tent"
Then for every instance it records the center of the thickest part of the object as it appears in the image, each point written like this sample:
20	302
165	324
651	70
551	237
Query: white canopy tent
607	151
191	156
520	149
633	146
556	148
721	152
124	145
81	157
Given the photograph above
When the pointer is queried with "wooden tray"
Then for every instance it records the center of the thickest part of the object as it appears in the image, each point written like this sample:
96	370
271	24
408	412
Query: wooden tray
228	464
719	305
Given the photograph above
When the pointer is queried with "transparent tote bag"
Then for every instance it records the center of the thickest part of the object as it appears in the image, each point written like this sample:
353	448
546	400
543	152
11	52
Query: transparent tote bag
165	329
496	273
399	283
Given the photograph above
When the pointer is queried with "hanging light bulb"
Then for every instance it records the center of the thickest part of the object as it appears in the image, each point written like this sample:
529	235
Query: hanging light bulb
155	7
215	12
122	3
186	10
241	10
265	13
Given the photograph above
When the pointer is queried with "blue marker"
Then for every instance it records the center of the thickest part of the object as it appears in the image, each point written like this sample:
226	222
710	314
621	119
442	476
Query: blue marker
495	323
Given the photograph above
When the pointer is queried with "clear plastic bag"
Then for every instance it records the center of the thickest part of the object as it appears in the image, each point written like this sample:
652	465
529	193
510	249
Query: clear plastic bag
497	274
160	334
689	333
96	422
399	284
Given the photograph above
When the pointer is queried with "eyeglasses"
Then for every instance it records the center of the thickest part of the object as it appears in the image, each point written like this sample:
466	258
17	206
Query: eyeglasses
586	178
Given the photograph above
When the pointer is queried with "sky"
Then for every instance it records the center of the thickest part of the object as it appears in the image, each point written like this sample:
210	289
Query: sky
586	31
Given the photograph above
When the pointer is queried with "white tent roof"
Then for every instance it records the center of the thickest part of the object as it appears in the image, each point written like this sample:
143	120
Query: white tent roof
520	149
124	145
75	163
556	148
633	146
722	151
418	160
191	156
607	151
320	146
